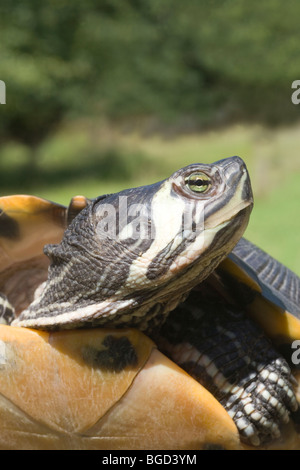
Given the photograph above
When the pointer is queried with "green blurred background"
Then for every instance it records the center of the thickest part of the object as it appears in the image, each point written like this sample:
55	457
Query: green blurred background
104	95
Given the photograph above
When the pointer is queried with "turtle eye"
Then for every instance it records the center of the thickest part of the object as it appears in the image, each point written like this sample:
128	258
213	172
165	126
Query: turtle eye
198	182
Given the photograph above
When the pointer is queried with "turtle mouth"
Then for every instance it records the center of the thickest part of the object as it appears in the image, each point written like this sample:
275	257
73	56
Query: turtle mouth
240	203
242	213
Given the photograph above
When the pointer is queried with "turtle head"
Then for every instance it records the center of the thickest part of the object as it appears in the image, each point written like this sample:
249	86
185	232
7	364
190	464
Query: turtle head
129	258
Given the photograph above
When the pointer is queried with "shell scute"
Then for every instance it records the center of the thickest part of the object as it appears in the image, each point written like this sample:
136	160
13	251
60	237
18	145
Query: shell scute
52	397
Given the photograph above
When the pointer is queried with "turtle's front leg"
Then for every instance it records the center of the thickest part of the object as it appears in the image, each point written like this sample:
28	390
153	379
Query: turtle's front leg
7	311
230	355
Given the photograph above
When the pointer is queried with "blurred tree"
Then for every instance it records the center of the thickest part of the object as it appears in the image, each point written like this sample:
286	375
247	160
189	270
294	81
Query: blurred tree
206	61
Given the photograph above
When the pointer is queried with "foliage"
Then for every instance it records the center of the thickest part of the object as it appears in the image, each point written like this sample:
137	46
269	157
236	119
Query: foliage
193	63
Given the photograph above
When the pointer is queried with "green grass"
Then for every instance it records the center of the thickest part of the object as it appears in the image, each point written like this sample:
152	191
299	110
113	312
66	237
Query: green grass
275	223
94	159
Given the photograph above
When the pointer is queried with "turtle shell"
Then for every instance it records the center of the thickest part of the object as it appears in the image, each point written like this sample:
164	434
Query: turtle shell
99	388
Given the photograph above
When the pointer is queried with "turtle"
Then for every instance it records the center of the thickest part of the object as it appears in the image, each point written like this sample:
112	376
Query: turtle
144	320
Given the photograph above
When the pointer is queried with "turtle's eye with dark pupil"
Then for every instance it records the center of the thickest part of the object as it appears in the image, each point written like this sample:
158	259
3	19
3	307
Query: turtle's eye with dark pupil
198	182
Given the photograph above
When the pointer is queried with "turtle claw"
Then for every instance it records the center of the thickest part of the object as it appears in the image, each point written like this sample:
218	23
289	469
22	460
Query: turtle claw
265	404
